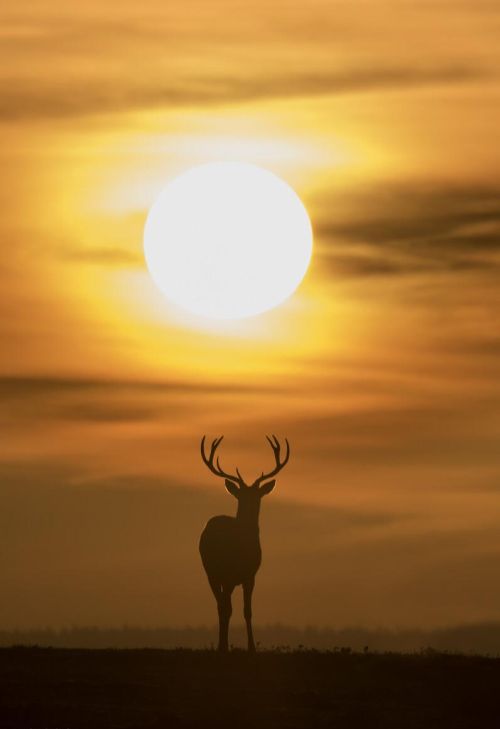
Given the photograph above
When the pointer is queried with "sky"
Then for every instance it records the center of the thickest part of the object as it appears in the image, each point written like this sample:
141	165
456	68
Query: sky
382	369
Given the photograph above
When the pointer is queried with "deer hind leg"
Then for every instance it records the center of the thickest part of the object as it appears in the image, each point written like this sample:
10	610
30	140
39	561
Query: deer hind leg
247	611
216	588
225	611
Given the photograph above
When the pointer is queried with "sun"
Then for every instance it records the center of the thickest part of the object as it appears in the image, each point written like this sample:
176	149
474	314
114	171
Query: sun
227	240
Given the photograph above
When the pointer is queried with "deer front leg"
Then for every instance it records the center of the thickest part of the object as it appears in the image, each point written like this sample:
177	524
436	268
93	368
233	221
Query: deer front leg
225	610
247	611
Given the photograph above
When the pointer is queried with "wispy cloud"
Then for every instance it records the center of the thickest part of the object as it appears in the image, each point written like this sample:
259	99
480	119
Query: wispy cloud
33	98
117	257
176	55
77	399
411	229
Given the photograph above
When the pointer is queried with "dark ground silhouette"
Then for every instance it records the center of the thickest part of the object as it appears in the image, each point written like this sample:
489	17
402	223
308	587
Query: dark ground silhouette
149	689
482	638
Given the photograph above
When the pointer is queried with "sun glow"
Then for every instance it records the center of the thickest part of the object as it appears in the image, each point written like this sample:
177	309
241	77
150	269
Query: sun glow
227	240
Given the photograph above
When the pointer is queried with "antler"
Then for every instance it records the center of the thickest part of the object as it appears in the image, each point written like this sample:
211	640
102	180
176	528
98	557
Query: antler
275	445
217	468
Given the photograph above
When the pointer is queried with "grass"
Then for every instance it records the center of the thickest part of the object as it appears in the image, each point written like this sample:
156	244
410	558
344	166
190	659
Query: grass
44	688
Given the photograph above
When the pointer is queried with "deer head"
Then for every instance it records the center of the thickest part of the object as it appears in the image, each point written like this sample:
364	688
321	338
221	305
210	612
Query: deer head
246	493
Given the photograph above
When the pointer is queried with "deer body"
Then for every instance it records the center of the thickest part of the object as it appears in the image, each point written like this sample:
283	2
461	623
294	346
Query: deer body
230	546
229	551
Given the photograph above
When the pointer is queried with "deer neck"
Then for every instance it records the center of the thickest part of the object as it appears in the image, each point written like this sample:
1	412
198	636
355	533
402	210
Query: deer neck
248	519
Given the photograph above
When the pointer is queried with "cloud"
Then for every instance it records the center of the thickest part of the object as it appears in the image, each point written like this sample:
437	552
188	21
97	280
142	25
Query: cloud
37	99
28	386
404	229
482	345
103	256
435	432
66	399
175	55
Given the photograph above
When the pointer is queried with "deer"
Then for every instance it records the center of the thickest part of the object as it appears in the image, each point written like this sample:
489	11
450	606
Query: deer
230	545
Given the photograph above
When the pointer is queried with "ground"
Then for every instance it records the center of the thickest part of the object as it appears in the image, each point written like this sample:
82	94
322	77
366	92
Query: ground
43	688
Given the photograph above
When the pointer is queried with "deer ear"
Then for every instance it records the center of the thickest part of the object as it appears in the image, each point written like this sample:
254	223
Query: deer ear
266	488
232	488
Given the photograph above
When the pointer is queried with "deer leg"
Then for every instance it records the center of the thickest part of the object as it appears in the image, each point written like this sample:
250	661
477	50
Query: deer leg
216	588
225	611
247	611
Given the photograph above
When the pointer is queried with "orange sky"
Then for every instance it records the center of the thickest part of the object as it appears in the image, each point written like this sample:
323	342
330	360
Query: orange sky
382	369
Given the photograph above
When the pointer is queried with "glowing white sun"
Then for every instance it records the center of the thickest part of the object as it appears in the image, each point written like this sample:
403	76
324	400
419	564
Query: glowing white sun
227	240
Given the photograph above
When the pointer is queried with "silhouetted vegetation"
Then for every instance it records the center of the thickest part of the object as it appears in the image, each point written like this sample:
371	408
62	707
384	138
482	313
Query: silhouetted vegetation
483	638
146	689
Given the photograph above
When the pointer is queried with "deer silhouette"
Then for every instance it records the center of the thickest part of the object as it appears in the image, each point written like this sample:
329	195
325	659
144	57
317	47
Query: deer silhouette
230	545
